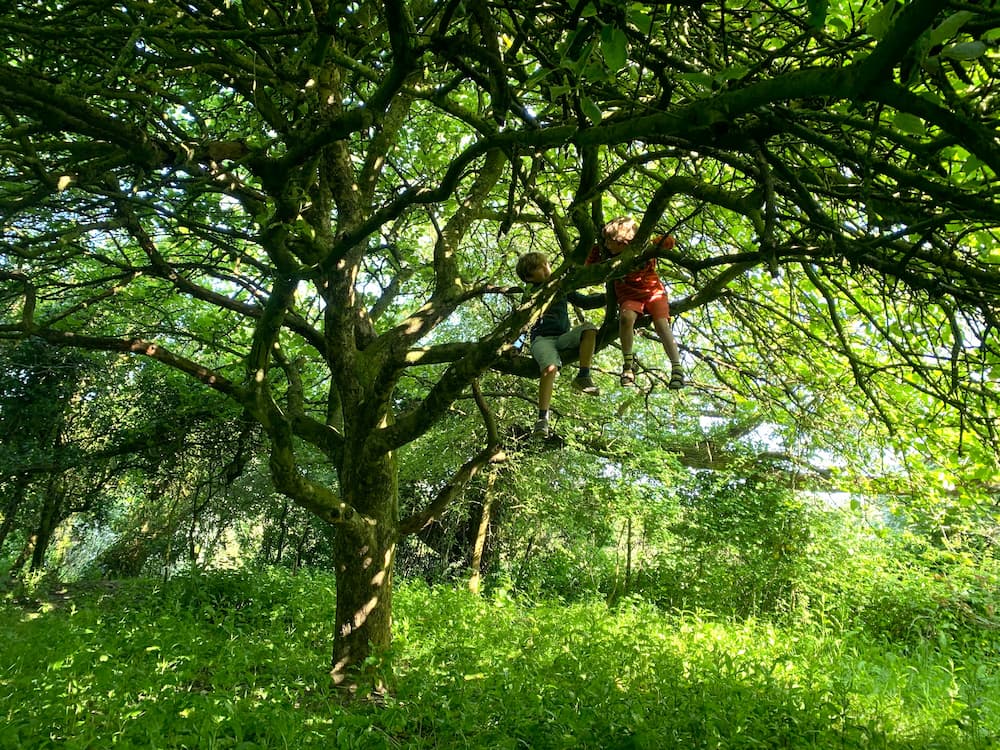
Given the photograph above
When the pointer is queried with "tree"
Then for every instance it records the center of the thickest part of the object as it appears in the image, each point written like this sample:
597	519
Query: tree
293	203
78	430
35	417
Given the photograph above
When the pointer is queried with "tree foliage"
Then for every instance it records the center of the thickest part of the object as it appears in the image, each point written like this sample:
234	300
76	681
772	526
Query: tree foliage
115	444
313	208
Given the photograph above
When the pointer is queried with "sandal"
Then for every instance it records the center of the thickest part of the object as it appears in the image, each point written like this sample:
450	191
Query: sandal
628	377
676	379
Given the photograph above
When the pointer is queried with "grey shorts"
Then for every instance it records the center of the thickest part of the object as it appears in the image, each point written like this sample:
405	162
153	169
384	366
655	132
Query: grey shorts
545	349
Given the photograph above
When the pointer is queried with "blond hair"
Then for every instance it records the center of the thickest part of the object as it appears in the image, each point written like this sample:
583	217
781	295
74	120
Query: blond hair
621	229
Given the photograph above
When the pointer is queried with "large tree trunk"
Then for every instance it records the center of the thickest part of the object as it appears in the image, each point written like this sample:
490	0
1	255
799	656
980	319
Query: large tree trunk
364	553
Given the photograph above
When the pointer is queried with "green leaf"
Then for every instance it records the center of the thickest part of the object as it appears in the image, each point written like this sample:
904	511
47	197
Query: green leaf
701	79
879	23
596	71
972	164
590	109
817	12
964	51
950	26
535	78
640	20
732	73
909	123
614	47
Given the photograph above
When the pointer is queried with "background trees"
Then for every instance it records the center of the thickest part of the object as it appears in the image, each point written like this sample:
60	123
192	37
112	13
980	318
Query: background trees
313	210
114	445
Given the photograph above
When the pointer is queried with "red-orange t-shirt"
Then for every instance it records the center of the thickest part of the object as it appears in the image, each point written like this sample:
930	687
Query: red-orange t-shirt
639	285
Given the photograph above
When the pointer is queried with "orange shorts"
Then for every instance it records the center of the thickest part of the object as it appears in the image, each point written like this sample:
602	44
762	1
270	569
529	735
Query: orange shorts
656	306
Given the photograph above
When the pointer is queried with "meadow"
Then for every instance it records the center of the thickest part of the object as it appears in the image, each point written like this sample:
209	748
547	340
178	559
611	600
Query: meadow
239	660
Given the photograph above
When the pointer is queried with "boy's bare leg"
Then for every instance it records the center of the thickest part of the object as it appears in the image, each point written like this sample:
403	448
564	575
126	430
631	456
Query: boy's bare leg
626	329
626	332
545	387
666	334
583	382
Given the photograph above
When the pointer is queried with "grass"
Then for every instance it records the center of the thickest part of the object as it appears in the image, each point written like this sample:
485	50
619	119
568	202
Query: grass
231	661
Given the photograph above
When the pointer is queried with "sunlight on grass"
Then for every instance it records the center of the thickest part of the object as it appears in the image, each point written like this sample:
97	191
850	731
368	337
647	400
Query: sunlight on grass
225	665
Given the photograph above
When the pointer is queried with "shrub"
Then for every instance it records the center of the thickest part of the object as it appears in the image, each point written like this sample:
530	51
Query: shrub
896	586
737	547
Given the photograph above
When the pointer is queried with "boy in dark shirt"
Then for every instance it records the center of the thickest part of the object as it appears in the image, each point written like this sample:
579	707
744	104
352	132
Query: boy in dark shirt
552	332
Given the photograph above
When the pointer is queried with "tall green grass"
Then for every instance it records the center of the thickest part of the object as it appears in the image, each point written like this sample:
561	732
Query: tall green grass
239	660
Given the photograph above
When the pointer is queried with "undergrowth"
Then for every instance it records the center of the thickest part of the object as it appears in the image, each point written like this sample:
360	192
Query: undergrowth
239	660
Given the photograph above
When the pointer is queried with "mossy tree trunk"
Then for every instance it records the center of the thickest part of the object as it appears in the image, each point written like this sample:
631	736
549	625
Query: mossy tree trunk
364	555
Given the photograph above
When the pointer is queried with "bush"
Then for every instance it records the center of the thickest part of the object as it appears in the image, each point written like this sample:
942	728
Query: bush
895	586
738	547
568	573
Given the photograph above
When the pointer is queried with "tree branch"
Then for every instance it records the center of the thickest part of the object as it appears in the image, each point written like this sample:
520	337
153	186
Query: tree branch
490	454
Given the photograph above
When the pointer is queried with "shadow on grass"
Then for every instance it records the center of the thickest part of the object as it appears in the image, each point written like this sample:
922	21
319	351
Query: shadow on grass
236	664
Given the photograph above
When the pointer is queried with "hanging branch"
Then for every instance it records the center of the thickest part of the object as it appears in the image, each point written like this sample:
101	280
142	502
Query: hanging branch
492	453
859	377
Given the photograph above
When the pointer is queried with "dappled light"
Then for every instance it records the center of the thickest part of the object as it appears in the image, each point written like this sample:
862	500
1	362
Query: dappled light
179	668
359	618
268	308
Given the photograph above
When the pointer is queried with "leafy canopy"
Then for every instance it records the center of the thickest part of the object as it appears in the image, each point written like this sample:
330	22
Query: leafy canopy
303	205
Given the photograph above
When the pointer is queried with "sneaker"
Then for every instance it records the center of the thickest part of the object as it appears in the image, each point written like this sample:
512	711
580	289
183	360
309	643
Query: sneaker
585	384
541	430
676	379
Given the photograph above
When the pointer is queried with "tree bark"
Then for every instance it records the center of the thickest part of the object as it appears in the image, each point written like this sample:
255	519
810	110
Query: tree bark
479	543
50	517
364	555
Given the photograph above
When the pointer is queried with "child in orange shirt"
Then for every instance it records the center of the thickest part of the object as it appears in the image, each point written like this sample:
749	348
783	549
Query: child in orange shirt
639	292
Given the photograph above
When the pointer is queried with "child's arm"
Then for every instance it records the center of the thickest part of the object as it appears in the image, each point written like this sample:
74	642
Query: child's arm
587	301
